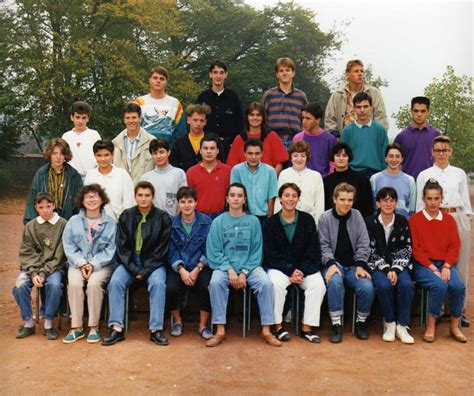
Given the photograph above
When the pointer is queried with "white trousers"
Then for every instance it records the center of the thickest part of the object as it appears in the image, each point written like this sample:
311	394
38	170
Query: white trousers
463	223
314	291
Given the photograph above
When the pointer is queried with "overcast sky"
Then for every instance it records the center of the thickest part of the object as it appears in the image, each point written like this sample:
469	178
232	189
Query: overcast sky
407	42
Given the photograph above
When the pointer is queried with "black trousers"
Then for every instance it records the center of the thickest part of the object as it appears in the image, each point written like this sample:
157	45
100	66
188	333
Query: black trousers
175	290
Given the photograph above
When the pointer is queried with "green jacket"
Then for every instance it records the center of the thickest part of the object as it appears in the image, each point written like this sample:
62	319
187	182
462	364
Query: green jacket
40	184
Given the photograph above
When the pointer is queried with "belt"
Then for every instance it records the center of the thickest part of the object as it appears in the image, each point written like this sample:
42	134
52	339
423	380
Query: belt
449	210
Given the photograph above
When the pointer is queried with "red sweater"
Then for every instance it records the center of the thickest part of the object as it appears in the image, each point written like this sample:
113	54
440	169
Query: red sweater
436	240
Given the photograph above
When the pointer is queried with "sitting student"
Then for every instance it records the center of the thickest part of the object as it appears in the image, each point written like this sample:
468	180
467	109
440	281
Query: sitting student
89	244
185	151
389	264
188	261
41	262
309	181
142	255
345	251
435	244
341	155
166	179
116	181
236	259
259	179
319	141
293	256
274	152
393	176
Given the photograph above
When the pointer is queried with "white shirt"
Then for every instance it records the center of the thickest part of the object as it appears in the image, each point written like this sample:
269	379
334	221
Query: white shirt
455	187
387	228
311	185
119	187
81	144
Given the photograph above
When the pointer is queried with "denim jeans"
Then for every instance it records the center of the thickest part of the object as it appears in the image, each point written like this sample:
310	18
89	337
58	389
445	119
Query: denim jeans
362	287
438	288
121	280
405	291
258	281
53	286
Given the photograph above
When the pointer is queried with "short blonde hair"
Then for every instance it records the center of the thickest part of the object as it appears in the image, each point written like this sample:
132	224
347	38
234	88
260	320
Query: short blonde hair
352	63
286	62
343	187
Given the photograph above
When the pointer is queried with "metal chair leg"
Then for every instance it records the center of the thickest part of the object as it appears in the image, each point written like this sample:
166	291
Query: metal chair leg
354	311
127	297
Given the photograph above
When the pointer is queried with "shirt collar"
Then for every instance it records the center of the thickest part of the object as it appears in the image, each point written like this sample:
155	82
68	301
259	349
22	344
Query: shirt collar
258	166
429	218
392	222
137	138
369	124
51	221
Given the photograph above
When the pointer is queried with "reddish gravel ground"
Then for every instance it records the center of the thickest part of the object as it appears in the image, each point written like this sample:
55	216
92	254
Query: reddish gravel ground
239	366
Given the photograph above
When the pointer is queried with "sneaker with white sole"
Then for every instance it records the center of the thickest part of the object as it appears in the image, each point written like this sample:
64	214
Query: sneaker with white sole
94	336
73	336
402	334
389	331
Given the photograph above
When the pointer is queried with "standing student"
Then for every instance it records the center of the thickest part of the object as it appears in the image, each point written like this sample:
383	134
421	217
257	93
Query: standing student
162	114
226	118
234	253
389	264
166	179
274	152
320	142
142	255
435	243
417	139
393	176
188	259
345	251
116	182
41	265
89	245
293	256
81	139
283	103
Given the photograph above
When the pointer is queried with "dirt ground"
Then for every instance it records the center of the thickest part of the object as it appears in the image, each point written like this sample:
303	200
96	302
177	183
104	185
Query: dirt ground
239	366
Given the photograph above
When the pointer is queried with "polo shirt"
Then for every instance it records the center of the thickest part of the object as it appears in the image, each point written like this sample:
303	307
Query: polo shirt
261	185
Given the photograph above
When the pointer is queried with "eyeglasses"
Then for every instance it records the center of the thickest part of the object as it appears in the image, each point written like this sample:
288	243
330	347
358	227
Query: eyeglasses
91	197
441	151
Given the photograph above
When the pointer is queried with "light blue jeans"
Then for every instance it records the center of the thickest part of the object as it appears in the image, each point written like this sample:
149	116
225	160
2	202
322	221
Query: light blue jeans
258	281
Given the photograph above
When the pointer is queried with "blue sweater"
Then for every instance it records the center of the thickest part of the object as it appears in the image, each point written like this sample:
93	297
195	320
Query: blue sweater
234	242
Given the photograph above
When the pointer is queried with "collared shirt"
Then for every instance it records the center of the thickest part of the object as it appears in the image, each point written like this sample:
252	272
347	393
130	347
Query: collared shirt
439	217
455	187
387	228
130	147
53	220
290	227
368	125
56	185
261	185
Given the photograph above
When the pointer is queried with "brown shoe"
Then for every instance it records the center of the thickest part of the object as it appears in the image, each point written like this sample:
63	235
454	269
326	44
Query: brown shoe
216	340
271	340
428	338
460	337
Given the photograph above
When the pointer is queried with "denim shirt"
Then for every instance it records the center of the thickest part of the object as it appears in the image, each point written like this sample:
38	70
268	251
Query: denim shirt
79	251
185	249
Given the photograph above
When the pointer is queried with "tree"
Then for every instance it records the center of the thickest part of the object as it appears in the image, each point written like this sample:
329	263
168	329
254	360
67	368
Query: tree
369	78
452	111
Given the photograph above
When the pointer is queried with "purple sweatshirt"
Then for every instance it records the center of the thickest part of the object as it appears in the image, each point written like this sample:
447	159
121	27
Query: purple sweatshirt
320	146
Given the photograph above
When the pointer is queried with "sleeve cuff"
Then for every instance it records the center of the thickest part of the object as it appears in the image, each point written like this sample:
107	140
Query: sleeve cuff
175	265
361	263
330	263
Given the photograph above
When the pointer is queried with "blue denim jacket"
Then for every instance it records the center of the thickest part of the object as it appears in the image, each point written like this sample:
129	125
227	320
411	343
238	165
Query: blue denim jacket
78	250
190	249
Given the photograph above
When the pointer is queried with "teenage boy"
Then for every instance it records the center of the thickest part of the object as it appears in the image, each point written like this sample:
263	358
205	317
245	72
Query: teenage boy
81	139
142	255
166	179
162	114
210	178
341	155
344	252
455	201
340	110
116	182
417	140
41	262
188	261
226	118
131	145
366	137
260	181
283	103
186	150
319	141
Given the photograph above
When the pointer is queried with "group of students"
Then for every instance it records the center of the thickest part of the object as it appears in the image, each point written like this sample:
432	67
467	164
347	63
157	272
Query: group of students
167	210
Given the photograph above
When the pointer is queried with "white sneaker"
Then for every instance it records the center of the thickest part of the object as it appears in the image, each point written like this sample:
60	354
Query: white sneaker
402	334
389	331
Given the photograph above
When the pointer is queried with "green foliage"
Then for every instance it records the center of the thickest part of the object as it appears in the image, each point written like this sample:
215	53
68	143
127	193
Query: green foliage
452	112
100	51
369	78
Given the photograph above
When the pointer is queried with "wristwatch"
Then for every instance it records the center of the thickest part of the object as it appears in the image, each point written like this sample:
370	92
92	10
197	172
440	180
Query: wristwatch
245	272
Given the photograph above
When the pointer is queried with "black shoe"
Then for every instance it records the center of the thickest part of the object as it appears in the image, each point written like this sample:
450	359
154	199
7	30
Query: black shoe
159	338
336	334
113	337
464	321
283	335
361	331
